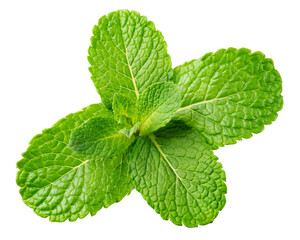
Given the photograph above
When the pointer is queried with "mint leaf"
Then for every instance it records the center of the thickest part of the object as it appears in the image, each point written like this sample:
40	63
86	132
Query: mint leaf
127	54
160	133
178	175
61	184
228	95
125	109
157	105
131	131
100	137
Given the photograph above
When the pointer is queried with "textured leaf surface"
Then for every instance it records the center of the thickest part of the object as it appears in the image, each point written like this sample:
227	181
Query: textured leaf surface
125	109
228	95
100	137
157	105
127	54
60	184
178	175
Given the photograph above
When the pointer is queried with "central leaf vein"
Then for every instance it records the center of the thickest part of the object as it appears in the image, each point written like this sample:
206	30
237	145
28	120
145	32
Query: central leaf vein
152	138
86	161
131	73
126	54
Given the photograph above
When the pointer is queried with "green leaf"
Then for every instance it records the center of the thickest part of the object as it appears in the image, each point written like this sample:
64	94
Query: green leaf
125	109
100	137
131	131
178	175
60	184
127	54
228	95
157	105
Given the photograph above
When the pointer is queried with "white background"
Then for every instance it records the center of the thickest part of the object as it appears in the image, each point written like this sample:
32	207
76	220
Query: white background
44	76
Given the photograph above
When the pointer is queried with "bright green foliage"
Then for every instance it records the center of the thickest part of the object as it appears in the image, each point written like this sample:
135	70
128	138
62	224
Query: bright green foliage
125	109
100	137
178	175
229	95
154	131
60	184
130	132
157	105
127	54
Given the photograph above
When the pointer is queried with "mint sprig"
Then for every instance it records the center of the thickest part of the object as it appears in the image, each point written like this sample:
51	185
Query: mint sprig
154	130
